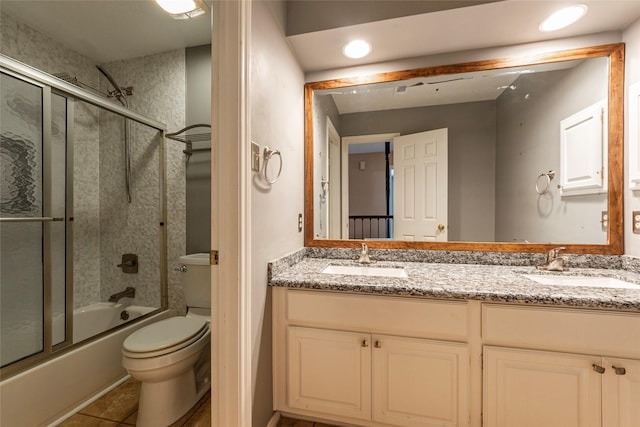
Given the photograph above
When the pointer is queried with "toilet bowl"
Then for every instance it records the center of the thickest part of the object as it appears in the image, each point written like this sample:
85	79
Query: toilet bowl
171	358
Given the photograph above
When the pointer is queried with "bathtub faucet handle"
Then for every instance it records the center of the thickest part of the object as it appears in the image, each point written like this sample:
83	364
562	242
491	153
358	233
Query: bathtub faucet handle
129	263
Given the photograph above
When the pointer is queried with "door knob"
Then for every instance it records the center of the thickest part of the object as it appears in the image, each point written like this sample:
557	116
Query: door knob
440	227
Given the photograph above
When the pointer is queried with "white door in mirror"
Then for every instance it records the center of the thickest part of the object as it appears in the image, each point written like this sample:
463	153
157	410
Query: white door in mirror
353	270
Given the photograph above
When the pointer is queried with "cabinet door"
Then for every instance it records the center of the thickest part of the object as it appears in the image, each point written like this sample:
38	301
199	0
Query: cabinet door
329	372
419	382
527	388
621	393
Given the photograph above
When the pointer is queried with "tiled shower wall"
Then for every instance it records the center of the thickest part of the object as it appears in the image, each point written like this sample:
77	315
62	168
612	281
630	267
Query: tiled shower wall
160	95
101	238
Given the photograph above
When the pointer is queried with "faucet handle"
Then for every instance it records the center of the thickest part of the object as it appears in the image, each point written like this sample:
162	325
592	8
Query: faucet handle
553	253
365	248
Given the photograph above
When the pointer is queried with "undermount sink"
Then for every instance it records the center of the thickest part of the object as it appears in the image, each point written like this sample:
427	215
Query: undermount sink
599	282
358	270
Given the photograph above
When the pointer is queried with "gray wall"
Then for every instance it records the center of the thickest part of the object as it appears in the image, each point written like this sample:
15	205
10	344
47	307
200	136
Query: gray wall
529	144
277	120
472	138
198	110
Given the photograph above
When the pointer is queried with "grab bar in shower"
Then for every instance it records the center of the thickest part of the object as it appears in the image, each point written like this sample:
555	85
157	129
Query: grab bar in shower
33	219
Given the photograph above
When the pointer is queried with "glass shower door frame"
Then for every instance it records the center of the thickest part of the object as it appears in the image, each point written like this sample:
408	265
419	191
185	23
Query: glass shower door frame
52	85
47	220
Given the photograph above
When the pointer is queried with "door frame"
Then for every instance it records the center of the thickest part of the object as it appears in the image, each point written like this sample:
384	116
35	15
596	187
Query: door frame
346	142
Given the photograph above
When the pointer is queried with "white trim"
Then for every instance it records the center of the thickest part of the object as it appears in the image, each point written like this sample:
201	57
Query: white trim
346	141
230	228
634	136
331	135
89	401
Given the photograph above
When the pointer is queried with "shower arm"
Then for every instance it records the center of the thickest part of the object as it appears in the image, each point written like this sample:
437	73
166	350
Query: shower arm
122	98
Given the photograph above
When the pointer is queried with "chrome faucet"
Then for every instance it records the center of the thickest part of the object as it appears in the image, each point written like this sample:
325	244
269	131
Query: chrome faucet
129	292
364	255
555	262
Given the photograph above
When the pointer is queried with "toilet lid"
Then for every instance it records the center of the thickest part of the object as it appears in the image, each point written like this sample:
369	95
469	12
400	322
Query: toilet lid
165	334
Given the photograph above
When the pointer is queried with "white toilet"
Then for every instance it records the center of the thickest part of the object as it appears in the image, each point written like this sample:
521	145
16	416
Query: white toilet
171	357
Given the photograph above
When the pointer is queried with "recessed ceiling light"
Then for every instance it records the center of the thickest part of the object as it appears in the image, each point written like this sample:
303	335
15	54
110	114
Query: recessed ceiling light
563	18
356	49
183	9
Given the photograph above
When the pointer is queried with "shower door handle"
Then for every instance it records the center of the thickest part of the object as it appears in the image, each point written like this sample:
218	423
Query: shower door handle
33	219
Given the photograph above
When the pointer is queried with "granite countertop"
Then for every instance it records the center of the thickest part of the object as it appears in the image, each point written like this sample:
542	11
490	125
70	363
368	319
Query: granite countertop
495	283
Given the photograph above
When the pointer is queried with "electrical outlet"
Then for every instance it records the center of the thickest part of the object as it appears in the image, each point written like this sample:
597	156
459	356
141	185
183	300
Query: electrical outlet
635	221
299	223
604	220
255	157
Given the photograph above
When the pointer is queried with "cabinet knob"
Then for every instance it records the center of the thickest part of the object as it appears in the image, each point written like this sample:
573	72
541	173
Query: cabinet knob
618	370
365	343
378	344
440	227
599	369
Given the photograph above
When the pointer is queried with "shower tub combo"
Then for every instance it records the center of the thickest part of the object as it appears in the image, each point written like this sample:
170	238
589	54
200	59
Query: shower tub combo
66	225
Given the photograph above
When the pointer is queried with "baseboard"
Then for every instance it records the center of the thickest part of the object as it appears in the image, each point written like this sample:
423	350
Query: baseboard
275	419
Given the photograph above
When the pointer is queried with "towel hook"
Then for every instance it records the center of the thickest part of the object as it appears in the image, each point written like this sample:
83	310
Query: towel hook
268	153
542	185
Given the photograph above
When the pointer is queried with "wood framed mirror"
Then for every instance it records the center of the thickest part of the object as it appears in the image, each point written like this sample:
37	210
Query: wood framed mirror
533	156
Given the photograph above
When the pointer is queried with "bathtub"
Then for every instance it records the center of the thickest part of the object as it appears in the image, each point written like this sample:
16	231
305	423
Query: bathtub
99	317
59	387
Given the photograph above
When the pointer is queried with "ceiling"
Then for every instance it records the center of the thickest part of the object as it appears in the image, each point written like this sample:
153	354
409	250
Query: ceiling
109	30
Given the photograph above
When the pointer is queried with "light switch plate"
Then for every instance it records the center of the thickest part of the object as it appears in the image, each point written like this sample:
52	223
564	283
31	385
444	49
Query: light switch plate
255	157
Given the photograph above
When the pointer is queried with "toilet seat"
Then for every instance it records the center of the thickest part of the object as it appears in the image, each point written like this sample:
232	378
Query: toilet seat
164	337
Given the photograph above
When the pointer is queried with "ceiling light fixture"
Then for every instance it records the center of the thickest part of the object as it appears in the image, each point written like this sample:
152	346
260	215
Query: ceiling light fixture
183	9
356	49
563	18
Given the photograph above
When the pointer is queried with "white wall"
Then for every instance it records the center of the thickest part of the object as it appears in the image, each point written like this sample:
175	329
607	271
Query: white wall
632	75
276	88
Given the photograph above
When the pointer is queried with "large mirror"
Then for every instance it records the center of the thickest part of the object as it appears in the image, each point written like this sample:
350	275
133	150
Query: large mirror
517	154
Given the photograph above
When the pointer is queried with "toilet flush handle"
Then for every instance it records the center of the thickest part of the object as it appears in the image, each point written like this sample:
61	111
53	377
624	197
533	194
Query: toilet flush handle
181	268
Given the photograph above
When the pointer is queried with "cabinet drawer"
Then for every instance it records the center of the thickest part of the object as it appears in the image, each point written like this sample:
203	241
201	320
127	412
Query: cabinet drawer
571	330
377	314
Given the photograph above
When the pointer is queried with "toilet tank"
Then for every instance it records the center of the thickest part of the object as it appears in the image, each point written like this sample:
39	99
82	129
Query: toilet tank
196	280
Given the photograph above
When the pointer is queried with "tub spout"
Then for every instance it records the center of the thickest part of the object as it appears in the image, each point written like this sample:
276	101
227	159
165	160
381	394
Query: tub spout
129	292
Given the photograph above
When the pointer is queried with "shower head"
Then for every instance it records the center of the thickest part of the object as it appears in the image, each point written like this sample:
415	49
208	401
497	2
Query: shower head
117	90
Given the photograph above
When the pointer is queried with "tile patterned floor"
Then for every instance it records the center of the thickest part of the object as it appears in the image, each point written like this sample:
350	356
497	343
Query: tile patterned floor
119	408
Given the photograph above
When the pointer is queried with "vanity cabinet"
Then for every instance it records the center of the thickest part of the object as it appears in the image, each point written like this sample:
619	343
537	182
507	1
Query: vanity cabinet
560	367
348	358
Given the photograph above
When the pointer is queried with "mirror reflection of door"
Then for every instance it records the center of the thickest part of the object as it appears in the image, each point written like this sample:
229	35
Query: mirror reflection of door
367	186
333	173
420	192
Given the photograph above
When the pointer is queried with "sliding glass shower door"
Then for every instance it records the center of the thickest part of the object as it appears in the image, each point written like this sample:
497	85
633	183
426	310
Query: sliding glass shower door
33	231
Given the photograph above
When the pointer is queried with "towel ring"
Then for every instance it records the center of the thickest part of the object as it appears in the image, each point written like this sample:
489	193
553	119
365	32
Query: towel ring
268	153
542	186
